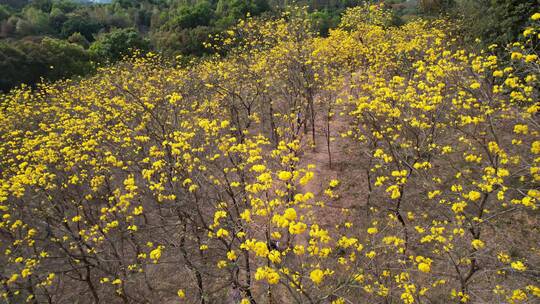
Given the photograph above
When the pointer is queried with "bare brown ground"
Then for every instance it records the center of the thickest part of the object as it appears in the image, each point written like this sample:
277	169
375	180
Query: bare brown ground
345	167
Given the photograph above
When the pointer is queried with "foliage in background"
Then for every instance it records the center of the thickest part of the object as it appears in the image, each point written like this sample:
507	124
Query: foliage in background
112	46
27	61
173	28
495	21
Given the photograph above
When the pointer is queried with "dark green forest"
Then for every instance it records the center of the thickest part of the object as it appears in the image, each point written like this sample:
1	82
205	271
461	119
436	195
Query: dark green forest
55	39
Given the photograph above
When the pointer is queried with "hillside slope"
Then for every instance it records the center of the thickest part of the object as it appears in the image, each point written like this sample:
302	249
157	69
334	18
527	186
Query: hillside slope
378	164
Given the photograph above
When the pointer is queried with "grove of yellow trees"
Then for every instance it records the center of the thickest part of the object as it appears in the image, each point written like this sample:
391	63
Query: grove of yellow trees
158	182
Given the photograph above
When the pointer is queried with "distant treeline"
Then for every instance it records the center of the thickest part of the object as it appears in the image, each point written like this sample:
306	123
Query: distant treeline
54	39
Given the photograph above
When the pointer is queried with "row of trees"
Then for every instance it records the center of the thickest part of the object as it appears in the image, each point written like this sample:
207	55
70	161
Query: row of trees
31	61
150	182
113	29
491	22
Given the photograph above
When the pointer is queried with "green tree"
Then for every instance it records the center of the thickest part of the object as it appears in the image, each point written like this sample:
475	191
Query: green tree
27	61
56	19
192	16
66	6
116	44
64	59
80	24
324	20
185	41
435	6
5	12
16	4
13	65
37	19
78	39
8	27
23	27
42	5
239	8
495	21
